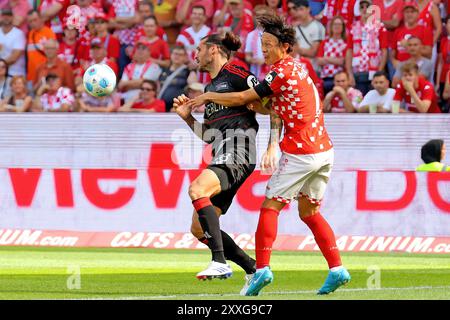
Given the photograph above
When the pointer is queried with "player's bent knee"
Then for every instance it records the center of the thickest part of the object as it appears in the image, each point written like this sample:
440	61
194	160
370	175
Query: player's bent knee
306	208
196	191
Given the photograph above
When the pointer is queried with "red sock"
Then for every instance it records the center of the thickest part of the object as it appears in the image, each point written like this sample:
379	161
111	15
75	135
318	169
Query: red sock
266	233
324	236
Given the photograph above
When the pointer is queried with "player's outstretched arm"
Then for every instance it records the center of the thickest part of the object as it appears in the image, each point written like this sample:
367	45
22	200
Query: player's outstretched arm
228	99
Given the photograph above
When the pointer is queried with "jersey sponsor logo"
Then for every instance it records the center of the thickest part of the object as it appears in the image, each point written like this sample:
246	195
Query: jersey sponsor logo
212	108
252	81
222	86
270	76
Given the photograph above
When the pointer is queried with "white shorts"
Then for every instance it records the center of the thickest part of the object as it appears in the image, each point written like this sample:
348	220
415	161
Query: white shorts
301	175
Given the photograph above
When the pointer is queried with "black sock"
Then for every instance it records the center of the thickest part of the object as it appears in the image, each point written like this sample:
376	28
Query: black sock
211	227
234	253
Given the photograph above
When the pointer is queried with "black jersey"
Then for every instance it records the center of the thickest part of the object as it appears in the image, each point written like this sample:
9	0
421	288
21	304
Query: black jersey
231	78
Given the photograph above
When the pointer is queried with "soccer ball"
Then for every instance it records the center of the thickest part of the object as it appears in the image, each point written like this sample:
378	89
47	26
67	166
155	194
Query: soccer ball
99	80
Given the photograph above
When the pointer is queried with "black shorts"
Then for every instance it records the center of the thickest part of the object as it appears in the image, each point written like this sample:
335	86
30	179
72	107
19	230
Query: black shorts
232	166
231	178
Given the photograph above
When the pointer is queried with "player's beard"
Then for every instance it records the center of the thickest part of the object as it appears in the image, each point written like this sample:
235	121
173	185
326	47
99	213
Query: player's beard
205	66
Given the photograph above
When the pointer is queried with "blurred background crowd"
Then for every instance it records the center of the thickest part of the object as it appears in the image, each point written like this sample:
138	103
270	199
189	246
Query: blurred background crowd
364	55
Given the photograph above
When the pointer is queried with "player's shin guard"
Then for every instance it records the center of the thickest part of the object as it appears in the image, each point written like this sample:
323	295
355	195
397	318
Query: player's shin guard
211	227
266	233
234	253
324	236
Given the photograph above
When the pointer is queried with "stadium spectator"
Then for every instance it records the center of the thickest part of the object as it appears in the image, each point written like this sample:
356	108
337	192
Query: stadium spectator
165	12
145	100
410	28
191	36
145	10
253	51
88	9
309	32
111	43
51	96
343	98
20	9
432	153
185	10
381	96
122	18
277	6
19	100
174	79
415	92
12	44
367	52
443	65
142	68
53	13
426	67
391	15
89	103
430	18
71	48
159	49
54	65
39	33
343	8
5	80
239	20
332	52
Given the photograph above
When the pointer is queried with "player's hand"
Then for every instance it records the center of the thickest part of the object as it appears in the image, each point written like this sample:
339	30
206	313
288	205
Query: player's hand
181	107
197	101
269	161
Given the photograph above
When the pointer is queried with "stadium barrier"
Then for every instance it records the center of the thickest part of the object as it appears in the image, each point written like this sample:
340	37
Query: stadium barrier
110	181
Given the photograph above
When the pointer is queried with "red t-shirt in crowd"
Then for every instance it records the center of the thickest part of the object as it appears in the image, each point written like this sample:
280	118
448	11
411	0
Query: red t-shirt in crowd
403	33
394	10
445	51
159	49
157	104
425	91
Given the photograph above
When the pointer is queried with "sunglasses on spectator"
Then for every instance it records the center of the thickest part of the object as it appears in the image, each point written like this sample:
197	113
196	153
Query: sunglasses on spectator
147	89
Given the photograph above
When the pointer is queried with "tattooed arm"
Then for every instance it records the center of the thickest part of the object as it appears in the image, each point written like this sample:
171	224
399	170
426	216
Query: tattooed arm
270	157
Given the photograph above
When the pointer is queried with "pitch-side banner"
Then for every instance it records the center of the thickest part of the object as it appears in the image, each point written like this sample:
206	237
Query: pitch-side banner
63	190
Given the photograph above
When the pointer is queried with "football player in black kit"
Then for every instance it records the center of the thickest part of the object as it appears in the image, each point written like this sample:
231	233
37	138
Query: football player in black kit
232	132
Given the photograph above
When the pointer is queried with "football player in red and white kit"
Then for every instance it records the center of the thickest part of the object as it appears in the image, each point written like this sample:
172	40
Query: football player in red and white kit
307	152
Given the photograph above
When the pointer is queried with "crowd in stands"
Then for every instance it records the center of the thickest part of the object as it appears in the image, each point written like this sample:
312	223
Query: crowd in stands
376	56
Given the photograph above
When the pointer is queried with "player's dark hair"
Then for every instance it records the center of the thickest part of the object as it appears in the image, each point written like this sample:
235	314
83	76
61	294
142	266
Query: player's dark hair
277	26
230	42
179	47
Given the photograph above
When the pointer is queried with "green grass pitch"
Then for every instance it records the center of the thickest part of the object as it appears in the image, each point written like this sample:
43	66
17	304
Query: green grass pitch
52	273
